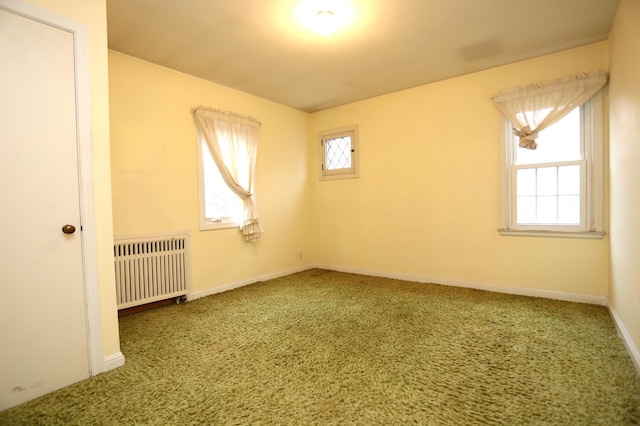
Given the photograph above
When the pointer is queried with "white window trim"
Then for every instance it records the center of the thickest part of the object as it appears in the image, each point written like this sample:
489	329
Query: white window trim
207	224
594	192
352	172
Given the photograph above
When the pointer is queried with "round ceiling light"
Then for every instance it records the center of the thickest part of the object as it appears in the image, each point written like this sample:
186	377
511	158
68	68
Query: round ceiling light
325	16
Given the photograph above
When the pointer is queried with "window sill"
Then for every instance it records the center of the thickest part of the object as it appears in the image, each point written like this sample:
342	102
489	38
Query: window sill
209	226
593	235
339	176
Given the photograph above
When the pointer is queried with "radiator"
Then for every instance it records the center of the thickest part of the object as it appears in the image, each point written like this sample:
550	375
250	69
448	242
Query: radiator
151	268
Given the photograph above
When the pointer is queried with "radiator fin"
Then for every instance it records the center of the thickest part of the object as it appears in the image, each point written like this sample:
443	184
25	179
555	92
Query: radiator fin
152	267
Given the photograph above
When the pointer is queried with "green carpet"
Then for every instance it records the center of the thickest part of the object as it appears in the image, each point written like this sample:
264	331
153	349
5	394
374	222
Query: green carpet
330	348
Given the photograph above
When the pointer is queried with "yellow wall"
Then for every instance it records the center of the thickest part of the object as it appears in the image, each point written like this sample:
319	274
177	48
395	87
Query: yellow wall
426	203
624	293
154	169
427	200
94	15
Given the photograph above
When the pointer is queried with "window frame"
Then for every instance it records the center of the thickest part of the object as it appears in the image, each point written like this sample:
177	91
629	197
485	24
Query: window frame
225	222
346	173
592	187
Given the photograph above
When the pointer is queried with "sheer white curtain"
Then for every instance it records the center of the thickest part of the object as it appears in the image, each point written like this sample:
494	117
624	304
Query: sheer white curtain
233	142
533	108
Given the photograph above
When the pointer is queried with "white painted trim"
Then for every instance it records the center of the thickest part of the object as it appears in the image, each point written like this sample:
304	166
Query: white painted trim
553	234
597	157
247	281
634	353
80	33
89	237
496	288
505	182
113	361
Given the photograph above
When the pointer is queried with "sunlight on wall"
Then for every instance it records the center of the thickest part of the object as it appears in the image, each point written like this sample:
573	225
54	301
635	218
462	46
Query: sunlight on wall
153	149
426	204
625	150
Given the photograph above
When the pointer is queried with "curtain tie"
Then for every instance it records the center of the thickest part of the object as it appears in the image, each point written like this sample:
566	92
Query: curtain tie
527	137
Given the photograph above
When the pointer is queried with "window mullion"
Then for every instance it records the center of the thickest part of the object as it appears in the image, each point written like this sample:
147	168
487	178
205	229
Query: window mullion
550	164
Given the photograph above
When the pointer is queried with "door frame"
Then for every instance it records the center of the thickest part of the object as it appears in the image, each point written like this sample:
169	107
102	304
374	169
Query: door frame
80	34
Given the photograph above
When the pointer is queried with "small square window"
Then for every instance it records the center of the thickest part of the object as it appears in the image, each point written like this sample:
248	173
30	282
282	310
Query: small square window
339	153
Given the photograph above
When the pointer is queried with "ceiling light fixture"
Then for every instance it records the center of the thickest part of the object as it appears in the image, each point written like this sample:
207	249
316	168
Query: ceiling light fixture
325	17
325	24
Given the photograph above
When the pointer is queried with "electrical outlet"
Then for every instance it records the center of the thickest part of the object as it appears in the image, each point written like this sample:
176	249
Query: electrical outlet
299	255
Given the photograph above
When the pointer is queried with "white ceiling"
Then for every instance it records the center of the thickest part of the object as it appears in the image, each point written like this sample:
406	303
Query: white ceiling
258	47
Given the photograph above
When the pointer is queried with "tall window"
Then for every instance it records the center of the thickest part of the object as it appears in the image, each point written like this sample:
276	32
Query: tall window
551	155
227	149
557	187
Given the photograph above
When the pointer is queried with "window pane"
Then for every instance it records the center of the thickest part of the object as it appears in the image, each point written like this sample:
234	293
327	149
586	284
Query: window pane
569	180
547	181
547	209
569	209
338	153
558	142
526	210
219	200
548	195
526	182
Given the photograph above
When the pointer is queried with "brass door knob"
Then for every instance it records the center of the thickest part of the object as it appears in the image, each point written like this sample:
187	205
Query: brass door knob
68	229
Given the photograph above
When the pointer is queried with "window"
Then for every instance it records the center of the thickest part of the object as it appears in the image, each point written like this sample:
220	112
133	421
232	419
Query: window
339	153
219	206
231	140
556	189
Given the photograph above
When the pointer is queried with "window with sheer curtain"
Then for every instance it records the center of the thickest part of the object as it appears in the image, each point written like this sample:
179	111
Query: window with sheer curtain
551	178
227	149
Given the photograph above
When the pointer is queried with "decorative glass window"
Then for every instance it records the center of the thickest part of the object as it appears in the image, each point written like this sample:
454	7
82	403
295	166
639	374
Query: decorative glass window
339	153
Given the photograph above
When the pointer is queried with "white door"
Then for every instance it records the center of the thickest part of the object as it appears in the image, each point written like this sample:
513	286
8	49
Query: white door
43	327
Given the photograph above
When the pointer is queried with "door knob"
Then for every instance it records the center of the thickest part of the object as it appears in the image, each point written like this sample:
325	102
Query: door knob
68	229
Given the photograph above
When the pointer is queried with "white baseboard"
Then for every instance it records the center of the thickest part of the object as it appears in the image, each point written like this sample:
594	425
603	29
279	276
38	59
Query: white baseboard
242	283
625	336
496	288
113	361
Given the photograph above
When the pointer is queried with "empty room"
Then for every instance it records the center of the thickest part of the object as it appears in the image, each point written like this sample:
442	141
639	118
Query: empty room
320	212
